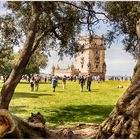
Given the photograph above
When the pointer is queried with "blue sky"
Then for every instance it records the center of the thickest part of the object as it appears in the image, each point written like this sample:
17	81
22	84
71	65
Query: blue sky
118	61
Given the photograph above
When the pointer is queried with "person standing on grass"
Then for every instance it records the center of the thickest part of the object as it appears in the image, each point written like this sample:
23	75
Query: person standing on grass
32	82
37	80
81	82
64	81
45	79
89	80
54	83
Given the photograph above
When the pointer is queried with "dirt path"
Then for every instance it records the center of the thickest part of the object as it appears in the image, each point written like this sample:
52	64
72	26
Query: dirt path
81	131
86	131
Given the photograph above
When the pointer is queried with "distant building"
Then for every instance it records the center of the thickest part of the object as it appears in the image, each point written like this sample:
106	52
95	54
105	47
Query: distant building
91	58
70	70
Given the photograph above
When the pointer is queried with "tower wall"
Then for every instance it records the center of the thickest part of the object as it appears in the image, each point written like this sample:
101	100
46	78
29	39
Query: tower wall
91	58
94	56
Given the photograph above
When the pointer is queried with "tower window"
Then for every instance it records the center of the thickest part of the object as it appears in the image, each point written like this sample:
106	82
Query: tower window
96	52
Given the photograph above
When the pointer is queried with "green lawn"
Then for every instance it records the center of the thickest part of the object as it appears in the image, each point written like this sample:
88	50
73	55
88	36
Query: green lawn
70	106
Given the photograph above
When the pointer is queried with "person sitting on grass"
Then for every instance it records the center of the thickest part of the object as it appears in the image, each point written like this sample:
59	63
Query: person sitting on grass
54	83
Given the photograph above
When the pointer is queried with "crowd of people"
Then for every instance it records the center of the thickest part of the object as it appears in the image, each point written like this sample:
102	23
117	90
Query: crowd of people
34	80
120	78
83	80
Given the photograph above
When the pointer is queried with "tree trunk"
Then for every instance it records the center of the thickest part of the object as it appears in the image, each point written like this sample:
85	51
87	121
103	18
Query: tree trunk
123	121
16	74
14	127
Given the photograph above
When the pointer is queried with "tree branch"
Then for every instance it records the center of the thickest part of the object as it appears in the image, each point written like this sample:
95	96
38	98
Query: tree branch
81	8
38	39
96	21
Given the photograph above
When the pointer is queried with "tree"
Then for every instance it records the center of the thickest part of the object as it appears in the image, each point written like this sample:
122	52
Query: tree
123	121
6	61
38	22
37	25
8	58
41	25
37	61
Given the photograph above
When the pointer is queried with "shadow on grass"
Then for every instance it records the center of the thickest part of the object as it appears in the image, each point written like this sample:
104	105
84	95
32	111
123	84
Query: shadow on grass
92	91
96	90
29	95
83	113
26	82
71	114
40	90
18	109
59	91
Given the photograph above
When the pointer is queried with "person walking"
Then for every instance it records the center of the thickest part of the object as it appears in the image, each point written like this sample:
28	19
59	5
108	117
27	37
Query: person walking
89	80
54	83
32	82
81	82
37	80
45	79
64	81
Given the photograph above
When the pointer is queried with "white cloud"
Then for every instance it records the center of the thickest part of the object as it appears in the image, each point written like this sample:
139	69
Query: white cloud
2	12
3	8
119	62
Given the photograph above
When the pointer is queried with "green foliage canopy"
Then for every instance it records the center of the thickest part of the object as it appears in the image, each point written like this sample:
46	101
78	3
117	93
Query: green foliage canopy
6	60
123	16
38	60
60	22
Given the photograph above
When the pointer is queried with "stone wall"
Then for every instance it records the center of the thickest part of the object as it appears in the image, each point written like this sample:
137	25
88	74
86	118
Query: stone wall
91	59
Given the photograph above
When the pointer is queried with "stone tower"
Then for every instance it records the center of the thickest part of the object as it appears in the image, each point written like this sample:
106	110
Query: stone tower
91	59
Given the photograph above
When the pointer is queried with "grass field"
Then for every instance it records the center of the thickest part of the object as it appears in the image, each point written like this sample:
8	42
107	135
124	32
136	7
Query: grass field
70	106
